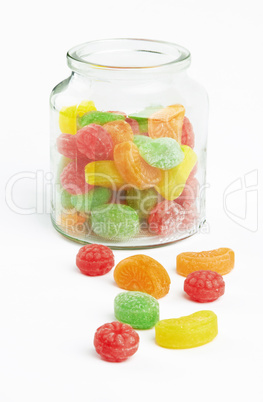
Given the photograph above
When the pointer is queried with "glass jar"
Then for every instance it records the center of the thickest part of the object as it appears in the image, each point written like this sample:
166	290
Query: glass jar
128	145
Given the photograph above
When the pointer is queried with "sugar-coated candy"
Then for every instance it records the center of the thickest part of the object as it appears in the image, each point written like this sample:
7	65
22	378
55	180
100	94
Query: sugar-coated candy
67	146
167	122
221	260
142	117
142	201
68	116
133	168
104	174
190	191
173	181
66	200
119	130
163	153
94	142
63	162
115	341
188	137
134	125
144	274
137	309
187	332
70	218
115	221
190	215
204	286
72	178
139	140
93	198
96	117
95	259
166	218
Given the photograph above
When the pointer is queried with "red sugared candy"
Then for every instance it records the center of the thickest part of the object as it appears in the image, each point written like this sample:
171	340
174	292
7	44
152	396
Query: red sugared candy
134	125
95	259
67	146
115	342
190	192
204	286
94	142
166	218
188	137
72	177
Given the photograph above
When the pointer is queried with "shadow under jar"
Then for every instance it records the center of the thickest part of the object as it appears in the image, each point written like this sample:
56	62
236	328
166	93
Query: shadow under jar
128	145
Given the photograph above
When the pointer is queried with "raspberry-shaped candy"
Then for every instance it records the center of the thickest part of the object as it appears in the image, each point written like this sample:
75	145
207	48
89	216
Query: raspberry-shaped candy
115	342
204	286
166	218
190	191
190	215
94	142
188	137
67	146
73	178
95	259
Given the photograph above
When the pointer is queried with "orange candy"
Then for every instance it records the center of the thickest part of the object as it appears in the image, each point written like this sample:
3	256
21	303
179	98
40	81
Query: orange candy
167	122
144	274
220	260
133	168
119	130
70	219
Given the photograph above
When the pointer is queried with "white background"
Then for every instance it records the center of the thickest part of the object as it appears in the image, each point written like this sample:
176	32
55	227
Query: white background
48	310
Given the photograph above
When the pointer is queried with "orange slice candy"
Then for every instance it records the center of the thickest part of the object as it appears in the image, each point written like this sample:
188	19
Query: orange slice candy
133	168
221	260
70	219
144	274
119	130
167	122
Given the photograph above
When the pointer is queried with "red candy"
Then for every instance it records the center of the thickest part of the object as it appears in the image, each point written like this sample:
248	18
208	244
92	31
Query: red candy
115	342
94	142
67	146
166	218
188	137
204	286
72	178
95	259
190	191
190	215
134	125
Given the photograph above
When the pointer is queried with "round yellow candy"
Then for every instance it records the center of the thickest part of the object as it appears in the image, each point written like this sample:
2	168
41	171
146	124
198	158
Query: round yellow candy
68	116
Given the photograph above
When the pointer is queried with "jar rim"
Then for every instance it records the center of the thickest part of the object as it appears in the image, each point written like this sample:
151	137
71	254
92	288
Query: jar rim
128	54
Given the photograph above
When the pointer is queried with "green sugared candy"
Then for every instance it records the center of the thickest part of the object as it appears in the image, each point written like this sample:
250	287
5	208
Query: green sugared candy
115	221
66	200
162	153
137	309
142	201
96	117
142	117
139	140
94	198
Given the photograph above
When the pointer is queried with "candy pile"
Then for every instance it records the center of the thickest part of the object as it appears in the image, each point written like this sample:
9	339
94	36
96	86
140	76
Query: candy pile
146	280
120	173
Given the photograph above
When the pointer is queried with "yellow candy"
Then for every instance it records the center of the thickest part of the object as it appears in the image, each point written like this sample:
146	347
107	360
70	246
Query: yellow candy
68	116
104	174
187	332
173	181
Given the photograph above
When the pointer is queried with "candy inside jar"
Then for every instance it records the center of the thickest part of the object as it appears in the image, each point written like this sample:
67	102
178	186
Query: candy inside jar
129	178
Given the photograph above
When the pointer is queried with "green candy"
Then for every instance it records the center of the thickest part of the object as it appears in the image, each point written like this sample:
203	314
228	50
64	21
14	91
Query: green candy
163	153
142	117
97	117
142	201
94	198
66	200
140	140
137	309
115	221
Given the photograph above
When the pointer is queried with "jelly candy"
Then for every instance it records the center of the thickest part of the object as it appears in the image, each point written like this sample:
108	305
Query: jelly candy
190	191
188	137
133	168
104	174
134	125
162	153
67	146
187	332
95	259
139	140
204	286
70	218
137	309
166	218
142	117
94	142
61	165
190	215
66	200
119	130
73	178
115	342
144	274
68	116
115	221
220	260
96	117
167	122
173	181
95	197
142	201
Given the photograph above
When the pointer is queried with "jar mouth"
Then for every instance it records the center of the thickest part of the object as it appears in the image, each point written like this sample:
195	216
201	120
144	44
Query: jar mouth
128	54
